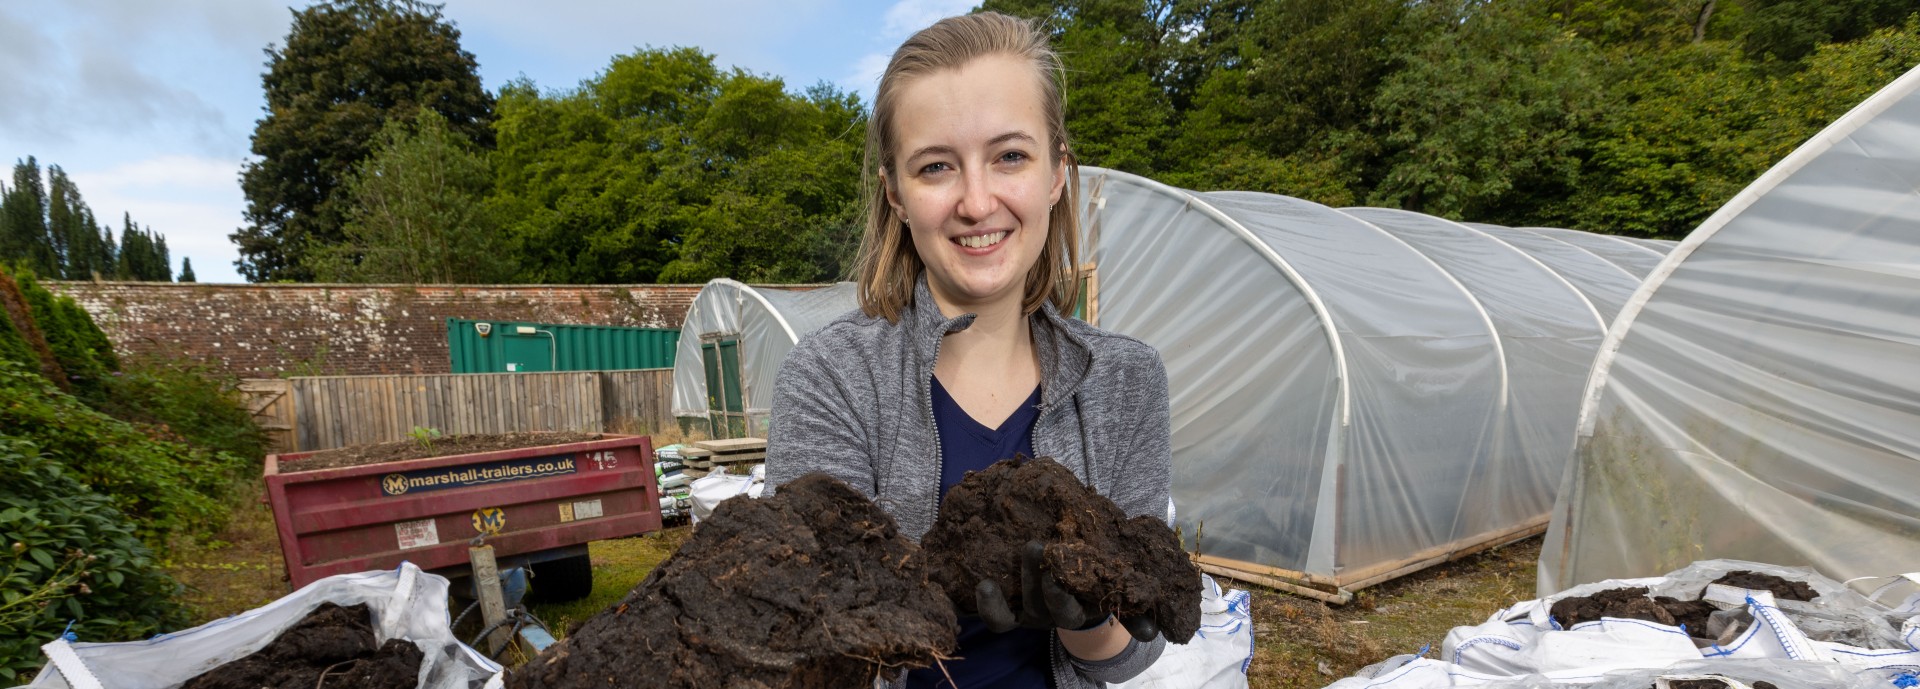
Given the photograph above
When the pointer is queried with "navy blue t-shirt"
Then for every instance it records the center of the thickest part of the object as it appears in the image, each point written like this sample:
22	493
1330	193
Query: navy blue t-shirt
1017	659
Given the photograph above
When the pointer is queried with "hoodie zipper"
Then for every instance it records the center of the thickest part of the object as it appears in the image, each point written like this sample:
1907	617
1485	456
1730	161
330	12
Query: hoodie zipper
934	424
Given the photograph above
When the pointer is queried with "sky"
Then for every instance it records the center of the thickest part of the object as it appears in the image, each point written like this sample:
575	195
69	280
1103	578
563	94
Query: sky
149	106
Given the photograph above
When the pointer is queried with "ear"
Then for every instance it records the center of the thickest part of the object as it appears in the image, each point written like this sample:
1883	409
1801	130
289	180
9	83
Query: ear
892	194
1059	176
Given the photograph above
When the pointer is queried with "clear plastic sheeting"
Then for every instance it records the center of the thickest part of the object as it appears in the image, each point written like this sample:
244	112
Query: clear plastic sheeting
1548	334
1756	399
1355	393
1604	282
764	323
1634	258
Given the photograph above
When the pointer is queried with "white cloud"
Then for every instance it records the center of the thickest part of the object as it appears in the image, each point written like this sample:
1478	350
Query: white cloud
902	19
166	174
908	16
89	70
193	201
866	75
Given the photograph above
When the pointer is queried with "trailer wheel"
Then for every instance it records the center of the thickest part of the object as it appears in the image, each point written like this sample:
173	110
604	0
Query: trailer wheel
562	580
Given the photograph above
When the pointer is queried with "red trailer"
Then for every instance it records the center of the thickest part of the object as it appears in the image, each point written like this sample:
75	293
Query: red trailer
534	505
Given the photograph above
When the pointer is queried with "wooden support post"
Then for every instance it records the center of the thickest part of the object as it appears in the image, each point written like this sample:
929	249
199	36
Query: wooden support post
1337	597
493	606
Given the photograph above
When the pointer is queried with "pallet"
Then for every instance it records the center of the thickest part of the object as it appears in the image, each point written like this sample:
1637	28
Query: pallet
696	458
731	451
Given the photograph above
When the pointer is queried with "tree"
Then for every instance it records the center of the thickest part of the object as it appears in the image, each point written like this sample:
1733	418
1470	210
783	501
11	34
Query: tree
1789	30
186	270
71	225
143	254
416	212
1113	52
23	221
665	168
1683	131
1485	119
347	67
1298	70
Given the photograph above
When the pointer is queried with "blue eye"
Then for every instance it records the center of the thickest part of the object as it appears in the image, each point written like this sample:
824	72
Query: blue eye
1013	156
932	168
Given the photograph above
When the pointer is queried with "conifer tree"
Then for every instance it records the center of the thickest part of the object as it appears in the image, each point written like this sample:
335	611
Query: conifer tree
23	221
186	270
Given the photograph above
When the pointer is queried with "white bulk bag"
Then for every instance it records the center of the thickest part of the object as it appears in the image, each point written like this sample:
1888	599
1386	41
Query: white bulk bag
711	490
1218	654
405	602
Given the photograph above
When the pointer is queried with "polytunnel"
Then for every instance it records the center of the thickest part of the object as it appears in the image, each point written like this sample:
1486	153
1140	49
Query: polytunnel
1756	399
731	346
1356	393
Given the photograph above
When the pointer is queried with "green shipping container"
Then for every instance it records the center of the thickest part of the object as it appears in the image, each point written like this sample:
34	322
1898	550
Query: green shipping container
505	347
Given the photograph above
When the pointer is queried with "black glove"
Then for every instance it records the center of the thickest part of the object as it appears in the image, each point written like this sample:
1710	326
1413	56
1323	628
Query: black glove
1044	603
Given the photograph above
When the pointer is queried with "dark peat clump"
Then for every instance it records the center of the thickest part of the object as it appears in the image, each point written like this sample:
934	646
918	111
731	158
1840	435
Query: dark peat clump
1781	588
331	647
1116	565
811	587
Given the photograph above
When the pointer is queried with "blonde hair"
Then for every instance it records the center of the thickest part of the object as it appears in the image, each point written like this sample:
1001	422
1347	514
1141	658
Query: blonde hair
888	267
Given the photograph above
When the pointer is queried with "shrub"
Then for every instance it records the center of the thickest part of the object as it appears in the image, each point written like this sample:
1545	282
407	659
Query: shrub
168	488
66	555
13	345
200	405
77	342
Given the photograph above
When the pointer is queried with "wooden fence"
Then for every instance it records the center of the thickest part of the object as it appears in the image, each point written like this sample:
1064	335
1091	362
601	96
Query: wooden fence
323	412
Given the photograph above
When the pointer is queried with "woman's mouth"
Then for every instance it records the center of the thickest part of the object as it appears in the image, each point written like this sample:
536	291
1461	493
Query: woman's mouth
981	241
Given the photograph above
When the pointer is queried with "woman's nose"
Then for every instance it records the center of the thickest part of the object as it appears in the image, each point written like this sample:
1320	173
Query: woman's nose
977	198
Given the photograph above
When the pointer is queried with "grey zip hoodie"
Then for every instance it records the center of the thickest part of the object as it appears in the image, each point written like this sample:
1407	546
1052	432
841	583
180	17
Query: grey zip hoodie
855	399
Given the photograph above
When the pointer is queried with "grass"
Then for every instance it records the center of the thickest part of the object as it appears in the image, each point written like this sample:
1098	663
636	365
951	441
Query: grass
1304	644
618	566
241	569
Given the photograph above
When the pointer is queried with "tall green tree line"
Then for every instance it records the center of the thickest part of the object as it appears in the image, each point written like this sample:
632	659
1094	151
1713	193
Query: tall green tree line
1636	117
1626	116
46	227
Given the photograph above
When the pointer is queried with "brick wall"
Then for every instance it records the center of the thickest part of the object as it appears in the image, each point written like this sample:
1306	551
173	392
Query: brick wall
260	331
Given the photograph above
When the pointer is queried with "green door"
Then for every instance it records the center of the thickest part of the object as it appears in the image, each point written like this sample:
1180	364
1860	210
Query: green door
726	412
527	353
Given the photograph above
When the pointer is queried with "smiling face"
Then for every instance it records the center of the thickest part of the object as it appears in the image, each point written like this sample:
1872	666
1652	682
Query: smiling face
974	178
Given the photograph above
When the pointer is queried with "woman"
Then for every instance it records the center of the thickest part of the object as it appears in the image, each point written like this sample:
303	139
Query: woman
959	356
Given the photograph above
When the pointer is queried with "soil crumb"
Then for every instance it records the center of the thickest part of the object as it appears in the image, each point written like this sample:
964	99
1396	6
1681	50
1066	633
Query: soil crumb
332	641
1690	614
1782	589
401	450
812	587
1625	603
1708	684
1124	567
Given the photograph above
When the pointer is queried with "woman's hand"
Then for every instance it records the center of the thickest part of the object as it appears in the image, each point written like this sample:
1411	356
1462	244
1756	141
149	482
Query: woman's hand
1045	604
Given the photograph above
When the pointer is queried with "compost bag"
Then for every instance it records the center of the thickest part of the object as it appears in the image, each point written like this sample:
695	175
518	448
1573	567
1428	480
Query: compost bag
1743	622
404	604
